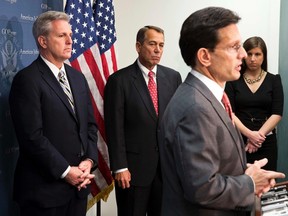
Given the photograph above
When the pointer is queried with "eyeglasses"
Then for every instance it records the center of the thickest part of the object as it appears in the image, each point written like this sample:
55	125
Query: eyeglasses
232	49
235	47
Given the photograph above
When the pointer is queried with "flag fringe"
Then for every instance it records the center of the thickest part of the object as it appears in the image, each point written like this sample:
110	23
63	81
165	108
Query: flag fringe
104	194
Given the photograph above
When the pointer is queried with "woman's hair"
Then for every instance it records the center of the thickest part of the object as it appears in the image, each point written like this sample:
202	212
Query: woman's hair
254	42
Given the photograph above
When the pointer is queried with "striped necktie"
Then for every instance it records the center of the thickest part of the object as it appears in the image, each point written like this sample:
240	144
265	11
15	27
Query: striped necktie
65	86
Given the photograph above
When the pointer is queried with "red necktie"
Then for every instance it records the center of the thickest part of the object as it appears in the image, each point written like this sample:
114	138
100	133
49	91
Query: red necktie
227	105
153	90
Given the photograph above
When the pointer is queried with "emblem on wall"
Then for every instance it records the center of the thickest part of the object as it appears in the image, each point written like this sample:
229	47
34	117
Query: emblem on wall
9	57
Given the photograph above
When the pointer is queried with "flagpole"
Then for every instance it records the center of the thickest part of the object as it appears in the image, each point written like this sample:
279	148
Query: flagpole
99	208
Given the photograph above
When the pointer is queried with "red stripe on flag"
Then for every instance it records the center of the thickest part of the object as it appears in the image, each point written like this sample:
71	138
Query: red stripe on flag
75	64
104	169
113	58
99	120
95	71
105	66
94	188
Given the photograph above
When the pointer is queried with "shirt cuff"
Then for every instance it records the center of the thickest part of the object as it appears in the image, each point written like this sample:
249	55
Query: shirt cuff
88	159
120	170
66	172
253	184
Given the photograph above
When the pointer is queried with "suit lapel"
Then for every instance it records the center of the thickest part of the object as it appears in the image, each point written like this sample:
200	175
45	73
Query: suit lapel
75	88
51	80
221	113
231	128
162	85
164	91
141	87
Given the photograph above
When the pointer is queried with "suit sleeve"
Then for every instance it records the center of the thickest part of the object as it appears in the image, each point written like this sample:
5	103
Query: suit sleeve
114	122
92	152
208	164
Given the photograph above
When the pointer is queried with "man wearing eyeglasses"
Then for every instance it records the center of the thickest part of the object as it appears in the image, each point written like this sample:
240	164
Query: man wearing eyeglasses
202	154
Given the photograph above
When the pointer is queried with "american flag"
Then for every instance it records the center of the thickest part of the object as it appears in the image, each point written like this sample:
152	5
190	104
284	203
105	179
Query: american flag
93	54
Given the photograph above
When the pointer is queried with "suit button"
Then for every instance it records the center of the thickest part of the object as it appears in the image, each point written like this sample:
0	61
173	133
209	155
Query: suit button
156	148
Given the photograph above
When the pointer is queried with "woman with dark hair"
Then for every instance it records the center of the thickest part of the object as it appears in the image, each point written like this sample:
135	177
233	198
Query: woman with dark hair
257	101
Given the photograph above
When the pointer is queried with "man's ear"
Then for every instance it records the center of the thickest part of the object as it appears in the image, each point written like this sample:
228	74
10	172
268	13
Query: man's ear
42	41
138	46
204	57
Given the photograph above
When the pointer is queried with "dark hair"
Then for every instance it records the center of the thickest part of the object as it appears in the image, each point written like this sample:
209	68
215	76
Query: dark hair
200	30
141	33
254	42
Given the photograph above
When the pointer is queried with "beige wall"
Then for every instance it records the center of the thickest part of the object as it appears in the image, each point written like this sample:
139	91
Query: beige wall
259	17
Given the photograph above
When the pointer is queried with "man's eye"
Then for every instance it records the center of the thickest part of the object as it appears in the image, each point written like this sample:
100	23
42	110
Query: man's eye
236	47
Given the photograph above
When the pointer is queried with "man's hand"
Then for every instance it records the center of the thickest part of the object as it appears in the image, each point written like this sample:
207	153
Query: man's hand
263	179
85	166
123	179
80	176
74	176
86	181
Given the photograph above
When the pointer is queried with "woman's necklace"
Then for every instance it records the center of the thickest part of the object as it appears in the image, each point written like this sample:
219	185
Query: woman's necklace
252	81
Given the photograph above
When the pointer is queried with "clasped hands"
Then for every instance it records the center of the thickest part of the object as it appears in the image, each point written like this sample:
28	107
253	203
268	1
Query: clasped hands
254	141
263	179
80	176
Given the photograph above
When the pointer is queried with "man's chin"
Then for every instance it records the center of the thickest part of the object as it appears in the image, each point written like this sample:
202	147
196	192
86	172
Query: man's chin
67	56
237	75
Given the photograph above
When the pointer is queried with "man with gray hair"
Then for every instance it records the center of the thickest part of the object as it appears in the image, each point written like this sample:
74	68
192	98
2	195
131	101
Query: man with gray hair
55	126
135	100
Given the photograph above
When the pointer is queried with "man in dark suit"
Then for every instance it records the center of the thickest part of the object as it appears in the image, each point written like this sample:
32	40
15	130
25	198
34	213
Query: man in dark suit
202	153
131	119
55	126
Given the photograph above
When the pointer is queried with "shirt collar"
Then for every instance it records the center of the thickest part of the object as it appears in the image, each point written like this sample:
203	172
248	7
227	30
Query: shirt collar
55	70
216	90
146	70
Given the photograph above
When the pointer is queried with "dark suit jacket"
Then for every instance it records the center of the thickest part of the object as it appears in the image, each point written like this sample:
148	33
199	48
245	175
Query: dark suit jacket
202	156
131	121
50	135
